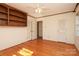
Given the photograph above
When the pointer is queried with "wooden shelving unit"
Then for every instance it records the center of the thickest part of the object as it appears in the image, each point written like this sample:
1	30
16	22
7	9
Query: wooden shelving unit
3	15
10	16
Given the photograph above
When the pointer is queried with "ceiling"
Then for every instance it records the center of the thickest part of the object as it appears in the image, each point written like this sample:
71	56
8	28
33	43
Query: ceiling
47	8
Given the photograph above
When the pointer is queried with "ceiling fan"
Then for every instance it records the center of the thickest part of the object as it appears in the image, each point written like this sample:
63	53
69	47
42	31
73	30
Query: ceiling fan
38	9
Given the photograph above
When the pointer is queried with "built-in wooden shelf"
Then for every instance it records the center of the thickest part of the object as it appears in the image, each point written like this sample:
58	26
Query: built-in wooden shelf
10	16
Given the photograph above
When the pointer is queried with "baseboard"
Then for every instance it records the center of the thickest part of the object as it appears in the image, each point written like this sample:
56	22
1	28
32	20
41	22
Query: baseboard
60	42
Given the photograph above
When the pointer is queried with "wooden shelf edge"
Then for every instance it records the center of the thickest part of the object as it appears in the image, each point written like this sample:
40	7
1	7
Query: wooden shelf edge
17	21
3	12
3	19
17	16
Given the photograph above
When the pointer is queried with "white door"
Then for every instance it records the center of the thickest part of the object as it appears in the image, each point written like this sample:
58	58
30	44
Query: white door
33	29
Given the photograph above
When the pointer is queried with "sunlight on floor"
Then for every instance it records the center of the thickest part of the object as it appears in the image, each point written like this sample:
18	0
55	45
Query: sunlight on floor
24	52
13	55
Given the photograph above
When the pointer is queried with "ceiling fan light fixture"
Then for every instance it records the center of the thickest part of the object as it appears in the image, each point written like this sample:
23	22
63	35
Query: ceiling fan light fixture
38	10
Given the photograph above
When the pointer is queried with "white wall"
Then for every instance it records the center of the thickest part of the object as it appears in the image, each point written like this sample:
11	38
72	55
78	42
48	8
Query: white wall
59	27
10	36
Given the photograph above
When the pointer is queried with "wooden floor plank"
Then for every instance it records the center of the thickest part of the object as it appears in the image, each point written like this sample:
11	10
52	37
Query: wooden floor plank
41	48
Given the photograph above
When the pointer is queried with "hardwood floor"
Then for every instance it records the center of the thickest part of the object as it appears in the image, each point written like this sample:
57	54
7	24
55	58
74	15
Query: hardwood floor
41	48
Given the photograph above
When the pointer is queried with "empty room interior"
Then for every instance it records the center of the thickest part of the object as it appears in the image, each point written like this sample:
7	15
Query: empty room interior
39	29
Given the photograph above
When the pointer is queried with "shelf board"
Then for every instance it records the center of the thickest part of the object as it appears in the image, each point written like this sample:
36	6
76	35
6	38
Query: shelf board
3	12
17	21
3	19
17	16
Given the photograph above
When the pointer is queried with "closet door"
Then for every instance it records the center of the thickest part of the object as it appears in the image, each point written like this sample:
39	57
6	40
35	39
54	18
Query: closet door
77	27
33	29
77	32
